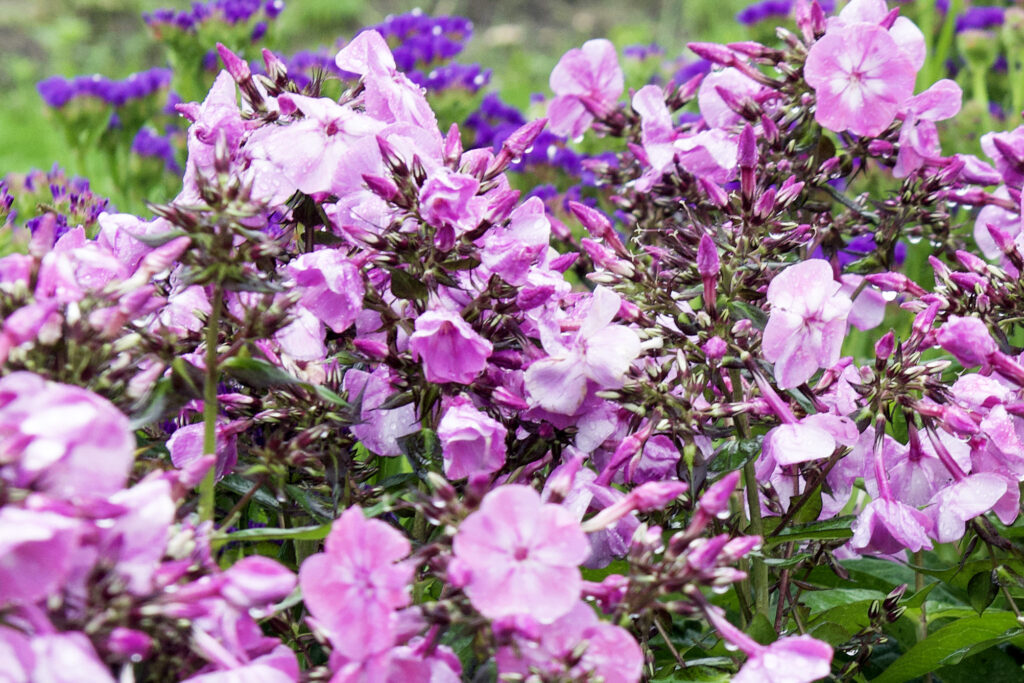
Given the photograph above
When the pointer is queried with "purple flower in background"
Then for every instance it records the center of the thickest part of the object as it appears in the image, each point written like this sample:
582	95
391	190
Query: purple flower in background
807	322
980	18
587	82
522	555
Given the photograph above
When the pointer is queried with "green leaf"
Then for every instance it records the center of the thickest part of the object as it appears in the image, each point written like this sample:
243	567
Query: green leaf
301	533
735	453
819	601
461	264
405	286
981	590
159	239
829	529
740	310
241	485
258	373
951	644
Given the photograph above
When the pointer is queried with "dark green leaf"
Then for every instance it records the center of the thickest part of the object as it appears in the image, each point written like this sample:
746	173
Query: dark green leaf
461	264
257	373
159	239
981	590
735	453
951	644
241	485
405	286
740	310
302	533
830	529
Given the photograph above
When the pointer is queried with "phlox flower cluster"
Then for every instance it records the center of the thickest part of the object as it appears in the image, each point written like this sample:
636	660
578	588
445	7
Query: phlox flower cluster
532	429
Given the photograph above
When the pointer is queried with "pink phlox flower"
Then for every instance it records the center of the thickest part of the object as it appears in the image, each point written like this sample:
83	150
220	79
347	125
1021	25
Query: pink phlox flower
450	350
953	506
713	108
656	134
1007	221
471	441
710	155
868	310
403	664
1006	149
380	429
915	472
611	654
137	539
62	440
523	555
793	659
449	202
306	153
919	138
353	588
813	437
186	444
587	82
38	548
807	322
218	115
67	657
332	287
303	338
887	527
389	95
76	267
511	251
861	78
585	496
904	32
597	351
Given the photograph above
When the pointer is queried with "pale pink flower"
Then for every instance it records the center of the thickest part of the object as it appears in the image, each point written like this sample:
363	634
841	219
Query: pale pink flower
861	78
794	659
598	351
62	440
807	323
609	654
919	138
451	350
37	548
355	585
953	506
586	81
332	287
522	555
471	441
886	527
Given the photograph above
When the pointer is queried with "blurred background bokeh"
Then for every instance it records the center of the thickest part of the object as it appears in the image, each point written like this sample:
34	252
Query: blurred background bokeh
520	40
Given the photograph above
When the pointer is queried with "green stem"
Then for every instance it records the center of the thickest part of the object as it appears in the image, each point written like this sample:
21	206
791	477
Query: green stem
759	570
206	486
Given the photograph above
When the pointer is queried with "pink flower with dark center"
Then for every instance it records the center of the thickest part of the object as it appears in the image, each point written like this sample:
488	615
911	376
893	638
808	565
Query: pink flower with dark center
886	527
355	585
450	349
807	324
587	81
861	78
522	555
